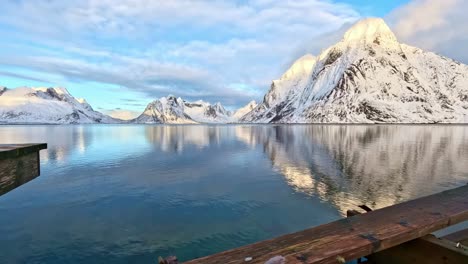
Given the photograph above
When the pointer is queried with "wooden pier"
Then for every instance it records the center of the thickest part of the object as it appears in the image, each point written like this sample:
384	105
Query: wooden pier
19	163
396	234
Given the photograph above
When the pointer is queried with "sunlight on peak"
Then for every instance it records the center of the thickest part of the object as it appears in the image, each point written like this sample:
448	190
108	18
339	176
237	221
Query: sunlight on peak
58	90
368	30
301	66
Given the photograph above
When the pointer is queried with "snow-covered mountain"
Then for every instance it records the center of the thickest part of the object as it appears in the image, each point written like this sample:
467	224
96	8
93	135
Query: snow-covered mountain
172	110
368	77
43	105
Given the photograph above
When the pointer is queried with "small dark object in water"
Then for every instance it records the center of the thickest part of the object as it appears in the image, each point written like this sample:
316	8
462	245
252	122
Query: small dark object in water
365	208
168	260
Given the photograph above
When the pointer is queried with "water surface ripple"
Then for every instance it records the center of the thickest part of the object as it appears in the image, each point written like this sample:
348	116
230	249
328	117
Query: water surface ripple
129	193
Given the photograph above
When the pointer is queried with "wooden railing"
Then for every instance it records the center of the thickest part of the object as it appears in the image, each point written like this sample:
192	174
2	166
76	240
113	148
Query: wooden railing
362	235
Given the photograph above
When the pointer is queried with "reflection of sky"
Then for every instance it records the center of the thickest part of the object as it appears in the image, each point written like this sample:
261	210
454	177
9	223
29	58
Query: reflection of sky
130	193
194	202
80	144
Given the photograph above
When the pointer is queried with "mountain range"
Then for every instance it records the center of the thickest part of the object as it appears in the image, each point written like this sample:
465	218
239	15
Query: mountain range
367	77
43	105
172	110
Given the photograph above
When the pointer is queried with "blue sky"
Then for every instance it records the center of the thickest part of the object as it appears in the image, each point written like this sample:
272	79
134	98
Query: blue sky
120	55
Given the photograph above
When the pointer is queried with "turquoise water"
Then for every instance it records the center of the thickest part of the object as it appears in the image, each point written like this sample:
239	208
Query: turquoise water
128	194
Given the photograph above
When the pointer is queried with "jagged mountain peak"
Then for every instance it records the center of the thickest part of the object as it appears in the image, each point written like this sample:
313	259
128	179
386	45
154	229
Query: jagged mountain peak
218	106
171	109
301	66
57	90
369	77
370	30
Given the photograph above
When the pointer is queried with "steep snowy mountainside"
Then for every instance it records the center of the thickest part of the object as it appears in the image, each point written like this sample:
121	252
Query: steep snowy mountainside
174	110
84	103
369	77
165	110
292	82
204	112
239	113
46	105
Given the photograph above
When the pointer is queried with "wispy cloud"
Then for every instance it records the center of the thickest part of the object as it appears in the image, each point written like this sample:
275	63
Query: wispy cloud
22	76
436	25
193	49
226	51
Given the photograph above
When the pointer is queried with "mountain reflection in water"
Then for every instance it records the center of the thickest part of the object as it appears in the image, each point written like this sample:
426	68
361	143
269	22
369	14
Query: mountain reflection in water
347	165
190	190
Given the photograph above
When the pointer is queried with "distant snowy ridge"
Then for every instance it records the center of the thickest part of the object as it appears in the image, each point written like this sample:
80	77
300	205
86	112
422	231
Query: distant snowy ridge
172	110
368	77
41	105
165	110
241	112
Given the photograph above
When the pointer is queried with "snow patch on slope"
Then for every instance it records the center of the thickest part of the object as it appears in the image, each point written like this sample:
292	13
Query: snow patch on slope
369	30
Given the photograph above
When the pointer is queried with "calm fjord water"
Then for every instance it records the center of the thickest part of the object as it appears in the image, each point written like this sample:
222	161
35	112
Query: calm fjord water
122	193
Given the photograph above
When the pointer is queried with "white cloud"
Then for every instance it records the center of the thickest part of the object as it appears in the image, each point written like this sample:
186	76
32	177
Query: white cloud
188	48
129	16
435	25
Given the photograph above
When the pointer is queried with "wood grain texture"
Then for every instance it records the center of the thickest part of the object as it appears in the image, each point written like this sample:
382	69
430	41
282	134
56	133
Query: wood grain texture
356	236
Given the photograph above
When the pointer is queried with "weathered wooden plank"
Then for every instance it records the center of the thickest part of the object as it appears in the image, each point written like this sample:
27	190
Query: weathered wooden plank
357	236
427	250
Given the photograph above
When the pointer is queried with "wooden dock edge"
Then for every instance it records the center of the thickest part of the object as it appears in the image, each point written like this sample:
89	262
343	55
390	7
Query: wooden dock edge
19	163
357	236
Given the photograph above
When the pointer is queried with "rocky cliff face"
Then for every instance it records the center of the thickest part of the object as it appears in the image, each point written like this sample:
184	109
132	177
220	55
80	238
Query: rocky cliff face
368	77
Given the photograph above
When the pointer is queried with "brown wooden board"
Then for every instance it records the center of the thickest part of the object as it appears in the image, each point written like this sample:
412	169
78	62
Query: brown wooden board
357	236
8	151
